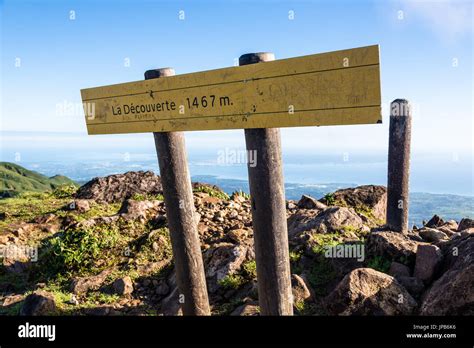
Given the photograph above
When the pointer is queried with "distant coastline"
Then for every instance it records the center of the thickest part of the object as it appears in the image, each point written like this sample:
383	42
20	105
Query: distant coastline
423	205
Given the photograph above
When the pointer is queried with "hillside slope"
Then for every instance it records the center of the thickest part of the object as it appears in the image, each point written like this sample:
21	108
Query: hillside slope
15	179
105	249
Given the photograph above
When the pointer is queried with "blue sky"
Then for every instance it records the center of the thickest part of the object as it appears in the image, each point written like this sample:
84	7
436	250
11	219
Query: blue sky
426	57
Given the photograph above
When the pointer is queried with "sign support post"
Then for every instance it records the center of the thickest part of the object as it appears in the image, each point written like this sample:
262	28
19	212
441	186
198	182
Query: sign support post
270	232
180	212
398	165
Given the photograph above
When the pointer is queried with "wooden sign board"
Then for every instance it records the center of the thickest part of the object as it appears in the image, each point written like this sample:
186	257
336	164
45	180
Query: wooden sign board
335	88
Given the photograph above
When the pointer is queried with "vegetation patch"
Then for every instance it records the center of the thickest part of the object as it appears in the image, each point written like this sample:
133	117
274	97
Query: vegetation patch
320	275
78	249
379	263
232	281
329	199
320	242
65	191
295	265
153	246
28	206
148	197
295	256
368	213
240	193
250	269
211	192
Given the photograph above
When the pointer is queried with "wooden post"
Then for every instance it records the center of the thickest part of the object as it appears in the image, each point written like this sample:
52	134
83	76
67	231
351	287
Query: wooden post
179	201
398	165
267	192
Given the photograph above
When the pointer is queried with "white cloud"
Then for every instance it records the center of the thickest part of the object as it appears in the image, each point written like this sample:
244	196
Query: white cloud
448	18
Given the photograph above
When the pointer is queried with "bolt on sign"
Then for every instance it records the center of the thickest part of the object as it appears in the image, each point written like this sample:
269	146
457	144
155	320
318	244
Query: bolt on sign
334	88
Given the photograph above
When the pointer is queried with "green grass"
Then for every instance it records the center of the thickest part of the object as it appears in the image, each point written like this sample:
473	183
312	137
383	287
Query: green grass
63	296
350	228
77	249
143	246
320	274
232	281
295	256
11	310
295	265
300	306
241	194
94	298
329	199
212	192
148	197
27	206
65	191
379	263
368	213
320	242
250	269
247	273
96	210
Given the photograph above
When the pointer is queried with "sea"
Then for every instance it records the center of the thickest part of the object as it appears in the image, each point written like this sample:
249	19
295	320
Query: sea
440	184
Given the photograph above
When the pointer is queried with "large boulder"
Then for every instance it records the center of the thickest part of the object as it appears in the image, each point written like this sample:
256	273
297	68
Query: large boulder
78	205
118	187
101	311
392	245
17	258
453	292
366	291
302	220
333	219
81	285
171	304
10	300
370	197
247	309
39	302
300	289
432	235
413	285
465	223
123	286
434	222
428	259
201	186
399	270
225	259
139	210
451	225
308	202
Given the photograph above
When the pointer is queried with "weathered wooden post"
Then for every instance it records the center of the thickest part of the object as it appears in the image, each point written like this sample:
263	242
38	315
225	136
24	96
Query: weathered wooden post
267	192
179	201
398	165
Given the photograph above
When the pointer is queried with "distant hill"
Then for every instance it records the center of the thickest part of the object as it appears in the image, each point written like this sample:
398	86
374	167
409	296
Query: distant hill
15	179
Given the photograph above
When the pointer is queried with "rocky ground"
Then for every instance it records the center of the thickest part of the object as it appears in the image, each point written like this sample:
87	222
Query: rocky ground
105	250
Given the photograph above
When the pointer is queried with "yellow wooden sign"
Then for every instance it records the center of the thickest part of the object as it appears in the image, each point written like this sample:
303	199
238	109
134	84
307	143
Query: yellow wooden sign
334	88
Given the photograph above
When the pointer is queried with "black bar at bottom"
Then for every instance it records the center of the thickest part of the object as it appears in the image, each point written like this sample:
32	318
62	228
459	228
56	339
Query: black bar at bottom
292	331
